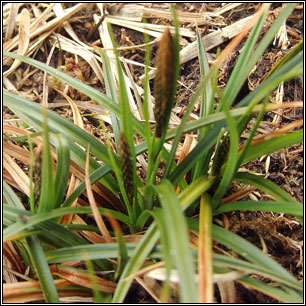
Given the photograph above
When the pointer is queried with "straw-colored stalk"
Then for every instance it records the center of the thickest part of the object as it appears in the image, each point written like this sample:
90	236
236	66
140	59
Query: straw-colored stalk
37	173
127	167
163	83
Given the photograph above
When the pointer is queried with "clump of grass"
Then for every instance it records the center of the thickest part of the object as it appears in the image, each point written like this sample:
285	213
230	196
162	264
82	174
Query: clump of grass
155	209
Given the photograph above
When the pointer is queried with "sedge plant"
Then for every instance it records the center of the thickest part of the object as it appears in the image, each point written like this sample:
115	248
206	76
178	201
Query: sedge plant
184	198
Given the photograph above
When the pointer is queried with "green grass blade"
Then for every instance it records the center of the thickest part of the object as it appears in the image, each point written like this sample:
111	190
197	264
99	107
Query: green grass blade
47	191
269	36
231	163
111	92
33	220
94	177
42	269
62	169
56	123
122	252
193	191
30	112
231	263
273	292
241	69
11	196
271	145
85	252
180	129
196	154
179	240
292	208
207	102
206	106
288	57
246	62
138	256
212	119
160	220
126	120
290	70
146	103
58	235
80	86
79	156
251	252
265	185
241	126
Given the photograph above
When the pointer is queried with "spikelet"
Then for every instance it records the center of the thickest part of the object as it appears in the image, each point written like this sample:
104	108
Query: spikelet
126	167
221	158
223	153
163	83
37	173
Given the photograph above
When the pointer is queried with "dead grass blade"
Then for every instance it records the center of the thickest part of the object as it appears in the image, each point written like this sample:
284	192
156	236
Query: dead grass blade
189	143
146	270
17	152
238	195
58	9
12	262
90	236
205	260
127	11
74	182
227	292
184	17
30	291
76	113
155	30
107	43
41	17
109	199
242	33
101	225
24	39
48	27
151	286
45	83
279	132
214	39
18	175
210	41
12	18
226	8
84	279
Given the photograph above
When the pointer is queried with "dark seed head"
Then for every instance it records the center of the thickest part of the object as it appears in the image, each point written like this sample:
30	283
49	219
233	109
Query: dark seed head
126	167
37	173
163	83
